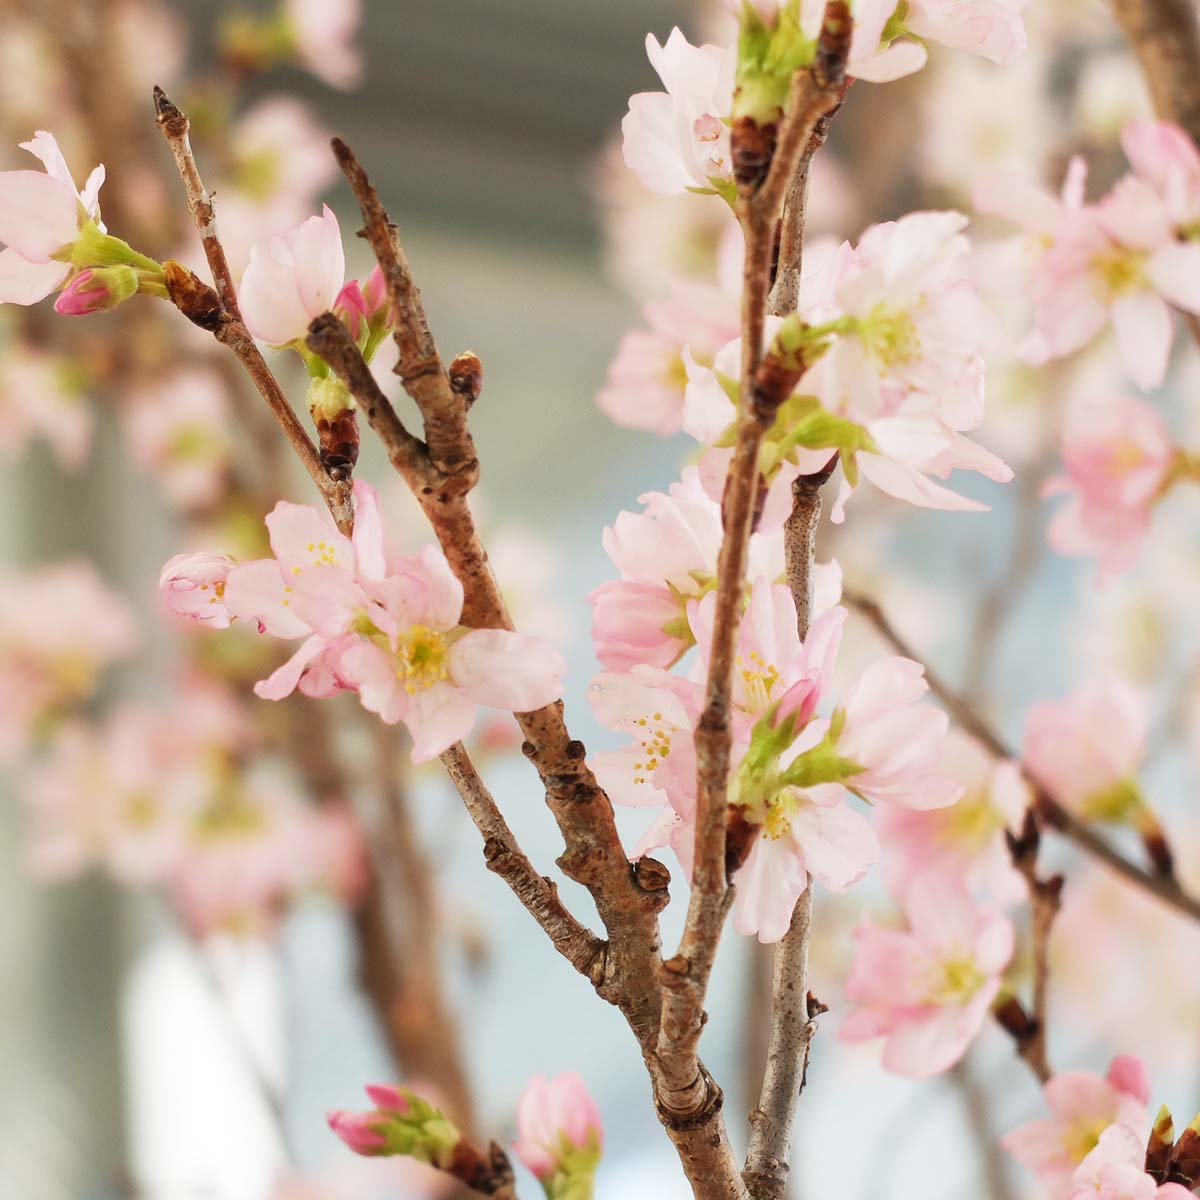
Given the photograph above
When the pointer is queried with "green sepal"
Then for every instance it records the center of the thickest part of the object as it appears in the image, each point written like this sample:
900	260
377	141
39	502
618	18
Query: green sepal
423	1132
95	248
822	763
328	398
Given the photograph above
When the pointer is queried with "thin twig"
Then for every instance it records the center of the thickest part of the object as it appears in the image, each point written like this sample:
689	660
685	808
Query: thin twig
218	312
1163	887
793	1008
814	94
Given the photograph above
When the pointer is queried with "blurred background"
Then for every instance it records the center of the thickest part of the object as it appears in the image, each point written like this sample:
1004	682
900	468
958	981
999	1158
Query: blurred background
151	1049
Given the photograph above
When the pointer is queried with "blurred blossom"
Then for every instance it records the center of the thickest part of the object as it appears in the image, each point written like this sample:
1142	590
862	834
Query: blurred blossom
179	431
979	115
1110	93
60	626
41	396
324	31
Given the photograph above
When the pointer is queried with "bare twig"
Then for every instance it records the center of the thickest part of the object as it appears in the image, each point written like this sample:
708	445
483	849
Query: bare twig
814	94
218	312
1164	887
793	1009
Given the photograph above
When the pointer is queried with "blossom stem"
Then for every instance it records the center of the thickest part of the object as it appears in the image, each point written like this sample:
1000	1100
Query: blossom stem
793	1008
1165	888
219	314
814	94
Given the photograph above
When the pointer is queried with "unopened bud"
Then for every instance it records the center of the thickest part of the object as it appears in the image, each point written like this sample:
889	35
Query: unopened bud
466	377
96	290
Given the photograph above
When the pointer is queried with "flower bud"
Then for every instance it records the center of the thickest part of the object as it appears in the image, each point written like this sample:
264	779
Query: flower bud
402	1123
561	1135
98	290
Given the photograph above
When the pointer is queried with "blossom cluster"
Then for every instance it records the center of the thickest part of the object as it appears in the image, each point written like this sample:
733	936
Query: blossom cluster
386	628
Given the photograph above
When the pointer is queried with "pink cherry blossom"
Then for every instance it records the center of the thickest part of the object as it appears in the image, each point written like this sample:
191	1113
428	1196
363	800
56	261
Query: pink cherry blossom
897	741
386	629
667	555
324	32
926	990
40	216
293	278
558	1124
60	626
1086	749
41	396
193	586
179	429
965	841
1117	454
991	28
1082	1107
869	60
648	378
677	140
1115	1170
1165	157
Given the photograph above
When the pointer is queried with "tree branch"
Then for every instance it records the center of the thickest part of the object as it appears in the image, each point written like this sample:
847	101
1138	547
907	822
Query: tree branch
1163	887
218	312
814	94
793	1008
1165	36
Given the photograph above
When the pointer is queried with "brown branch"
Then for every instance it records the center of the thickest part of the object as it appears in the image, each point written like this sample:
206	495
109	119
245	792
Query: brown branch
1165	36
421	1026
218	312
1163	887
539	895
793	1008
814	94
628	898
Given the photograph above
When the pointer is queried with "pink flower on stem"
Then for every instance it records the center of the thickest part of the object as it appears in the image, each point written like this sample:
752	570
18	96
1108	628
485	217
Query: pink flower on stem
895	740
1115	1170
648	378
193	586
677	140
358	1129
1165	157
561	1137
964	842
293	278
97	289
993	29
1086	749
1082	1106
324	31
361	304
926	990
1118	456
401	1123
667	556
40	219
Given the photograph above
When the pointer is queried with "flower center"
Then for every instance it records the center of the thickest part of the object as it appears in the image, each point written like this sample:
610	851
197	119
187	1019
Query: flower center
656	745
891	338
1118	271
421	658
971	823
780	811
960	979
758	678
1082	1136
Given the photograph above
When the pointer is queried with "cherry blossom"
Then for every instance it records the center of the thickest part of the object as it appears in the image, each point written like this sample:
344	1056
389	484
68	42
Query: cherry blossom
324	31
1117	455
1086	749
926	990
991	28
677	140
60	626
1115	1170
193	586
293	278
401	1123
561	1136
1082	1106
1164	157
41	396
179	430
41	216
965	841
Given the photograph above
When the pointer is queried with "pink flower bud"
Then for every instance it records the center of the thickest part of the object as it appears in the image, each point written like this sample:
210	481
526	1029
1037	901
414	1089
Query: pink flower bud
555	1118
358	1131
96	290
